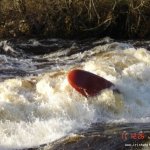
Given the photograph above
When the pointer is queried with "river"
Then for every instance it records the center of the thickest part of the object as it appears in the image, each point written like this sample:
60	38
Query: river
39	107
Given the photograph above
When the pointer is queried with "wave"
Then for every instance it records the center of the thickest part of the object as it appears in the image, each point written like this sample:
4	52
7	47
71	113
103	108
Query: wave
42	108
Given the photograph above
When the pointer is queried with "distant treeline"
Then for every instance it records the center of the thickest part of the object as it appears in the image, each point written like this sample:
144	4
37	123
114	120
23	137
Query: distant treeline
75	18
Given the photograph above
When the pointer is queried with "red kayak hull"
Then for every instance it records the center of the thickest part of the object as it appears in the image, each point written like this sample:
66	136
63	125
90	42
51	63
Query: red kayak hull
86	83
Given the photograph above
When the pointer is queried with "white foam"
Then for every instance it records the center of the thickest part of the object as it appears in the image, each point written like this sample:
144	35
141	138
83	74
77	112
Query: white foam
43	109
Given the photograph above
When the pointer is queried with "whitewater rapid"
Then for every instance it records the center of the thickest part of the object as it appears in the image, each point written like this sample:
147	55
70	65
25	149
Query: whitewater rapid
41	108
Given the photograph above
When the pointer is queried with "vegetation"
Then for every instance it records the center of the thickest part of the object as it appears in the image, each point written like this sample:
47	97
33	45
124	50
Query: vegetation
75	18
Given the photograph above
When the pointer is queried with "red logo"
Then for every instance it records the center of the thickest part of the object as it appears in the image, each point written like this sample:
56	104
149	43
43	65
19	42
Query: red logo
124	135
137	136
134	136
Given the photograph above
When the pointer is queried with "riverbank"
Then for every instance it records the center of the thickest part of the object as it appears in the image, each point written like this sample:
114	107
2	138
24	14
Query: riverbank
75	18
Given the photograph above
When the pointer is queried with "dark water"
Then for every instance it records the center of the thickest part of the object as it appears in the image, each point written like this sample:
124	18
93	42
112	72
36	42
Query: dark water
30	57
105	137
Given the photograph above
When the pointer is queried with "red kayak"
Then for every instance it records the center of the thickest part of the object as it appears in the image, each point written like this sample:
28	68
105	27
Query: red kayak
86	83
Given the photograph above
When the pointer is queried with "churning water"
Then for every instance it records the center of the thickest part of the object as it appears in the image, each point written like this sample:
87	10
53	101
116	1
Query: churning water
38	105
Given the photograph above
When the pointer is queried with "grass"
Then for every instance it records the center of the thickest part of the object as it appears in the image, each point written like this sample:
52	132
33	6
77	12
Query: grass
75	18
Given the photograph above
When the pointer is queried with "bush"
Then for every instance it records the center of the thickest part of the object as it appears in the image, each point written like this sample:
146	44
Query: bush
75	18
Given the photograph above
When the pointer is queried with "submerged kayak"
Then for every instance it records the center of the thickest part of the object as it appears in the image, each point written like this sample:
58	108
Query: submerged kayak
87	83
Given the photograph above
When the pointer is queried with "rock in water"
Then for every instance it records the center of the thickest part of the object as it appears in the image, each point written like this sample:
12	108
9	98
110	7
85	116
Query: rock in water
86	83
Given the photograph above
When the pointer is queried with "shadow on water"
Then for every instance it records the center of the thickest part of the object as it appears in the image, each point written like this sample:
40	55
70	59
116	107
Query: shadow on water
47	46
20	57
127	136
